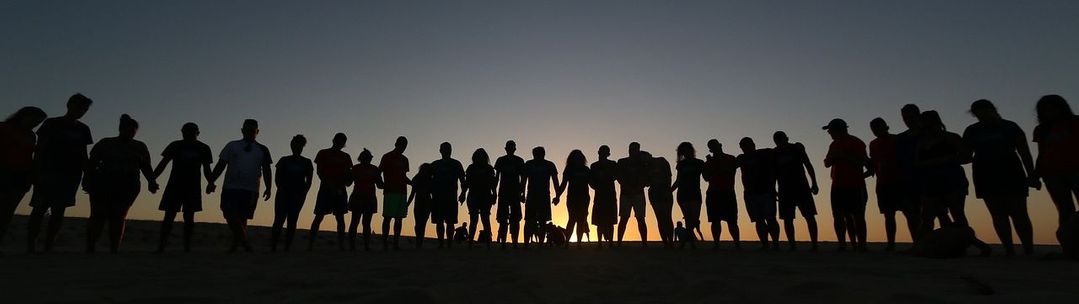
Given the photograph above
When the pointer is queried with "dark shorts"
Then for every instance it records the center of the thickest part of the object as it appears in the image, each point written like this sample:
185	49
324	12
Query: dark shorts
444	209
760	206
890	199
801	200
691	212
13	188
422	208
112	203
177	200
56	189
288	202
631	204
237	203
509	209
331	200
538	208
363	203
480	205
849	201
722	205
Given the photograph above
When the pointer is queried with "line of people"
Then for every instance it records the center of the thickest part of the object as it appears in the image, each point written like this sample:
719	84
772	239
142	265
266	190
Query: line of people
919	173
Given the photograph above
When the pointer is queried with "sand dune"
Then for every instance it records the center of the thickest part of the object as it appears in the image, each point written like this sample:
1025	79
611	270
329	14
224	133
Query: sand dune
478	275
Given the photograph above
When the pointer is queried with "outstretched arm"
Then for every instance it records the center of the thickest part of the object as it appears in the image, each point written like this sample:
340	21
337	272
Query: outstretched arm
1028	161
148	173
161	166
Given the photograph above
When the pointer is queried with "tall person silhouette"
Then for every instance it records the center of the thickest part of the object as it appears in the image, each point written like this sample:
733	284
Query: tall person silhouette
906	150
394	167
605	205
1057	135
191	161
479	192
17	160
660	196
1001	165
941	155
632	180
247	161
721	200
792	164
690	168
759	190
294	176
333	167
446	174
576	177
363	203
421	195
112	180
59	161
539	175
508	173
850	166
884	157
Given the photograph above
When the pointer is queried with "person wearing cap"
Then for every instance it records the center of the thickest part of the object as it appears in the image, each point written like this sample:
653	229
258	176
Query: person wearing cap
850	165
247	161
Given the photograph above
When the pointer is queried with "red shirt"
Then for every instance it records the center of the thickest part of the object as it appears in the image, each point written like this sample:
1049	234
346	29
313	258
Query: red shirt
847	154
17	153
333	166
883	152
1058	148
364	177
394	168
719	172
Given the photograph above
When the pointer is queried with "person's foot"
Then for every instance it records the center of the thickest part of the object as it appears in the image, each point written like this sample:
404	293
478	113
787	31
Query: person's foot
841	248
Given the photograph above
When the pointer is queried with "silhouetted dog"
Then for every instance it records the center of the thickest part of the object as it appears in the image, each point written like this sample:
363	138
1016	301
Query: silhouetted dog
556	236
484	237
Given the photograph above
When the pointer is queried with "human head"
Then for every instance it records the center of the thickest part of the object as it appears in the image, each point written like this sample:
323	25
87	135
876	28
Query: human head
365	156
879	127
634	149
576	158
78	105
685	150
604	152
445	149
714	146
836	127
128	127
984	110
27	117
481	157
780	138
190	131
297	144
250	129
339	140
931	122
747	145
1053	108
538	153
401	144
911	116
511	147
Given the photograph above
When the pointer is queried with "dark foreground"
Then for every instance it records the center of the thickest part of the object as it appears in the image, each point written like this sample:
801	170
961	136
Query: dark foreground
479	275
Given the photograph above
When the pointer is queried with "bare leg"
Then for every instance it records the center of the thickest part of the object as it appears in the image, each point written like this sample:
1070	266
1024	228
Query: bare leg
56	221
642	228
189	229
788	229
166	230
811	224
355	223
117	223
717	231
314	231
889	229
840	226
366	231
397	234
94	226
1021	220
732	225
340	219
290	229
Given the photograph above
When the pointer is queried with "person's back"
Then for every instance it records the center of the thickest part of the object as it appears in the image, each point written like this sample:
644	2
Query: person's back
481	180
719	172
632	175
603	177
245	161
188	158
444	177
659	180
940	167
292	171
18	152
509	174
539	173
364	177
790	168
62	144
883	151
118	161
333	167
394	168
758	171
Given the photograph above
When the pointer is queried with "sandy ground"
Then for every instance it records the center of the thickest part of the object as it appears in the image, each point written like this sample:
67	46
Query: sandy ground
478	275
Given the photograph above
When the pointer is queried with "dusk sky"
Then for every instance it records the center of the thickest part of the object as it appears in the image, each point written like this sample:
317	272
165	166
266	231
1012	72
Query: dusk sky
561	74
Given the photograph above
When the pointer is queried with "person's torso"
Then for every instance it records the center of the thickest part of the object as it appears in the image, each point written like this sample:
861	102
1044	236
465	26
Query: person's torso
17	153
689	174
882	151
333	166
119	159
245	161
445	174
758	171
721	170
539	173
509	173
292	172
62	143
188	157
631	174
602	174
993	144
789	166
394	168
846	172
577	179
364	177
480	178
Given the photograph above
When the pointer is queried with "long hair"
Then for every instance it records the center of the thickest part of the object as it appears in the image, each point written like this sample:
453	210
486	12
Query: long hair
686	151
576	159
481	157
931	119
26	113
1052	103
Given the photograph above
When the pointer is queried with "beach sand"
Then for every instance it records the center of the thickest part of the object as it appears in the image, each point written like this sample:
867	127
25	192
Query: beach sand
631	274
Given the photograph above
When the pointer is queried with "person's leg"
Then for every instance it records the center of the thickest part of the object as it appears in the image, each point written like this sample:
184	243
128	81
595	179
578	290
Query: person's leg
998	211
473	218
339	217
279	217
840	226
773	231
37	215
8	203
889	229
117	225
290	227
366	231
397	233
94	226
440	231
860	226
957	208
1021	220
450	231
732	226
189	229
235	229
56	221
788	229
502	230
717	231
166	230
352	226
622	221
642	228
314	231
811	225
1061	192
243	234
386	233
528	232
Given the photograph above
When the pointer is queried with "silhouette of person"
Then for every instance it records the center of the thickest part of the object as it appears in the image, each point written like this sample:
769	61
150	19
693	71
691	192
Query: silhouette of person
909	185
421	194
690	169
941	155
604	205
508	173
792	164
1057	136
950	241
660	196
59	161
246	160
1001	162
17	160
394	167
333	167
294	176
460	235
683	236
850	166
191	161
112	180
884	157
363	203
539	175
631	176
479	191
721	200
759	190
576	177
446	173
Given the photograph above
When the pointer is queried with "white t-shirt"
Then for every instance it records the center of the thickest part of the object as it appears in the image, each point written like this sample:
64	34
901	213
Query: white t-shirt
245	160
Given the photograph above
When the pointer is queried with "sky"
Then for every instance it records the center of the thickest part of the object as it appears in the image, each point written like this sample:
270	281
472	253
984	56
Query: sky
560	74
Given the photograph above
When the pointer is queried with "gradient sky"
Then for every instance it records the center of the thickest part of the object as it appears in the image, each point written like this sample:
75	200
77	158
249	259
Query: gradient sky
562	74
